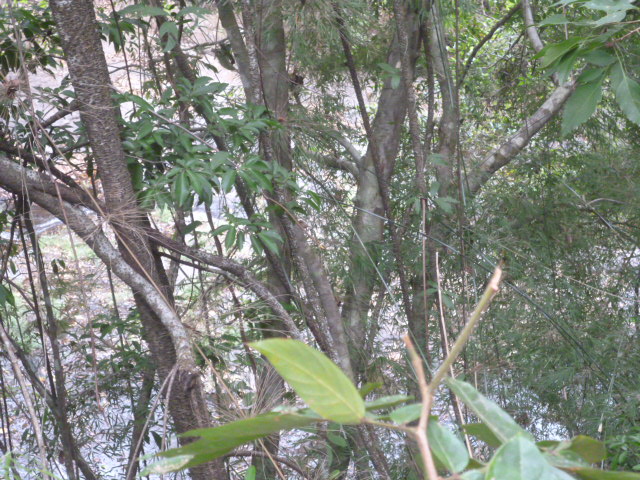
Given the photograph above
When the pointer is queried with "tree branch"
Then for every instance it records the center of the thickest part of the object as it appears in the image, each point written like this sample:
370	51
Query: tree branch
485	39
507	151
18	179
532	31
233	268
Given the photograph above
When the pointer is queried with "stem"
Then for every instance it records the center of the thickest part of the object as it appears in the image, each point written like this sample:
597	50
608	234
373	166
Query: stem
420	431
458	346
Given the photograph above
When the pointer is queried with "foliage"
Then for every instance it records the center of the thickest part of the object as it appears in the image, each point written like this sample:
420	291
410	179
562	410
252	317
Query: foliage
329	393
282	191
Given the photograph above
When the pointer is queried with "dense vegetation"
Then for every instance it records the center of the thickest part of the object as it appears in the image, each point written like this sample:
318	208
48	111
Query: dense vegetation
360	239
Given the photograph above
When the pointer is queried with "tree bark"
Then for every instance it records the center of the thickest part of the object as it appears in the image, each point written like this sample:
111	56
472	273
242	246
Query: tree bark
79	32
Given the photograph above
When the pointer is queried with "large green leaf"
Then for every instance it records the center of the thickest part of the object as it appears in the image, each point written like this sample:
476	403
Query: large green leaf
498	421
167	465
315	378
557	474
554	52
588	448
518	459
581	105
627	93
595	474
565	459
447	447
217	441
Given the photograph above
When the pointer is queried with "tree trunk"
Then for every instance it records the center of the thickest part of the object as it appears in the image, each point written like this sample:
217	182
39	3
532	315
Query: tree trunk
79	31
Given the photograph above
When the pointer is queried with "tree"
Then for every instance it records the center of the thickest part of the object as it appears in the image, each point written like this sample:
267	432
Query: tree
381	111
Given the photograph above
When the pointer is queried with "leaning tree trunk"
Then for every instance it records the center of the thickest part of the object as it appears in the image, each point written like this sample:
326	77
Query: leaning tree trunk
79	31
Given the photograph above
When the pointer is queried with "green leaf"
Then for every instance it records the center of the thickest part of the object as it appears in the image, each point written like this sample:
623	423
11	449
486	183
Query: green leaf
315	378
368	387
610	5
228	179
627	93
230	238
270	239
588	448
6	297
613	17
595	474
482	432
591	75
557	19
181	189
565	459
169	34
447	447
473	475
518	459
387	402
581	105
564	66
251	473
167	465
406	413
554	52
218	441
336	439
498	421
599	57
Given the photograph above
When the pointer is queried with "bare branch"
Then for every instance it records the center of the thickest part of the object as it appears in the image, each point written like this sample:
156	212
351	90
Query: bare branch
532	31
235	269
485	39
507	151
348	146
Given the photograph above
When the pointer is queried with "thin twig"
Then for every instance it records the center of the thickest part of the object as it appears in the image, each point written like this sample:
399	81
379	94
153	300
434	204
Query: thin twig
420	432
485	300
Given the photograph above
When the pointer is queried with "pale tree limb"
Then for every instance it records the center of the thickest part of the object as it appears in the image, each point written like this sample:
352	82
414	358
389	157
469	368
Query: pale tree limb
348	146
507	151
235	269
532	31
16	178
